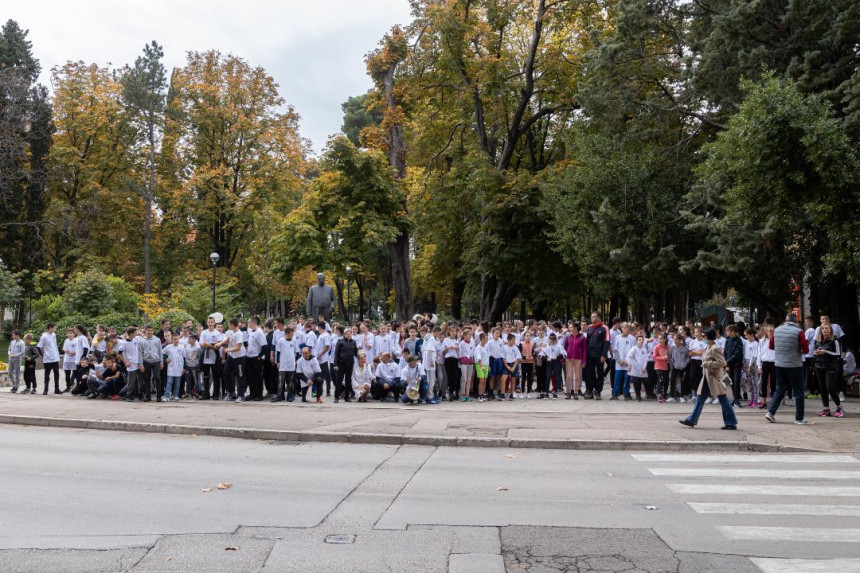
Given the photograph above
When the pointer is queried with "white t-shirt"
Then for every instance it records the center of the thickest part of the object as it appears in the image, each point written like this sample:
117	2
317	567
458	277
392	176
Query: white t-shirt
81	344
482	355
176	355
256	342
210	337
48	345
234	339
69	361
451	352
621	348
467	349
323	340
637	358
287	355
511	354
699	346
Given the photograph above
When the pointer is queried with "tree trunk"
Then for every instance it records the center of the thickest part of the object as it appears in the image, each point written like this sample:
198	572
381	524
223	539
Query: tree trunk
339	288
147	219
457	298
399	249
502	297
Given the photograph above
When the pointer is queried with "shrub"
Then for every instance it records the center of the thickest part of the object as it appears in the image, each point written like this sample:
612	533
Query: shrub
176	316
89	294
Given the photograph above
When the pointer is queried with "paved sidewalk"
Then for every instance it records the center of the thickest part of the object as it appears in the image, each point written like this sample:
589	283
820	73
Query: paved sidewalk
565	424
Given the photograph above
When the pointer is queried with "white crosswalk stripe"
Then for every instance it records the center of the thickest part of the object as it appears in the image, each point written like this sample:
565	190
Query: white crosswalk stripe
807	565
805	534
775	509
813	519
794	491
747	459
755	473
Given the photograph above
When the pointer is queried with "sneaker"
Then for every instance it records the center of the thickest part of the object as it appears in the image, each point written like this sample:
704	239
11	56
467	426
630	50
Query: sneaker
842	396
239	400
769	417
824	412
670	400
528	396
802	422
319	400
463	399
480	398
839	413
683	400
588	397
597	396
614	397
627	397
554	396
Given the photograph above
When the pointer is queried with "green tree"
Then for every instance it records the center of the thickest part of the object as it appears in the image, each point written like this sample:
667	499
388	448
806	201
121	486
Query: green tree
144	92
89	294
356	117
774	192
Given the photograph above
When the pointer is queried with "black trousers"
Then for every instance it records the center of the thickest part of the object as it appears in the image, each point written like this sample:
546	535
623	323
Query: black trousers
768	376
212	380
828	378
55	368
343	379
152	378
651	382
234	376
325	370
254	374
527	370
286	381
270	377
594	375
735	374
810	372
452	372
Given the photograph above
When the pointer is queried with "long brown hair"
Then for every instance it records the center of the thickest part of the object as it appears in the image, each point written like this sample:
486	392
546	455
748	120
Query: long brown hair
820	338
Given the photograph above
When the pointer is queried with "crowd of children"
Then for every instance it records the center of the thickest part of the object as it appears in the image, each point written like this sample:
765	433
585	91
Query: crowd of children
420	361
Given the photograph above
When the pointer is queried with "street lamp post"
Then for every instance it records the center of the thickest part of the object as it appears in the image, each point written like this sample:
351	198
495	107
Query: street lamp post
214	258
348	309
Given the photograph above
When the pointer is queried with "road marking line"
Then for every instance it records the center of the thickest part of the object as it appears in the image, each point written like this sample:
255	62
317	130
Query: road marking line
739	458
776	509
755	473
805	534
806	565
795	491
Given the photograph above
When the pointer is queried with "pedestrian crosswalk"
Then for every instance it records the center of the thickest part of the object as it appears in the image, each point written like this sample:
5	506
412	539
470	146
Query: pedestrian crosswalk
741	496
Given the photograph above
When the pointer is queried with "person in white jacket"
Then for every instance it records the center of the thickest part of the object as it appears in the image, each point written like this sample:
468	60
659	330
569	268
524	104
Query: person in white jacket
637	366
362	377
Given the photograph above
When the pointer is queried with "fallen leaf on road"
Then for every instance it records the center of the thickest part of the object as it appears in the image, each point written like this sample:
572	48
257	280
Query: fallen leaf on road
207	489
610	475
193	435
650	507
224	485
232	548
169	559
501	488
511	456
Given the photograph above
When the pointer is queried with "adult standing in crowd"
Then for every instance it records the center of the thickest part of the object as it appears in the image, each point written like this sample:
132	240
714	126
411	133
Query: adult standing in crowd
50	357
789	347
597	340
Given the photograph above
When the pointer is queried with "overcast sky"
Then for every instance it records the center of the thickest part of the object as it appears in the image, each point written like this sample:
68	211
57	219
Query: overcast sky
314	49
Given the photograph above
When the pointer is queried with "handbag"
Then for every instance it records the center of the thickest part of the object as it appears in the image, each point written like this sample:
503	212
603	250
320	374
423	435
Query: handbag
727	386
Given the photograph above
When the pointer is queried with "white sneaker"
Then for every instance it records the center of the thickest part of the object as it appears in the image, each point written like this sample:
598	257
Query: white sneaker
683	400
842	396
670	399
802	422
528	396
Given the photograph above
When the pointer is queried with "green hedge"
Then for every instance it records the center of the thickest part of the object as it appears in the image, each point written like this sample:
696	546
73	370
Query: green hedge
120	320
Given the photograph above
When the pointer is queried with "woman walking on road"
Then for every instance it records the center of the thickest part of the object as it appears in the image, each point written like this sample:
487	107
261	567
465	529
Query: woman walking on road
713	368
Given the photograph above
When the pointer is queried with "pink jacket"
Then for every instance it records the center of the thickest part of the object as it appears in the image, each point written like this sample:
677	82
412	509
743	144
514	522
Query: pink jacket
574	347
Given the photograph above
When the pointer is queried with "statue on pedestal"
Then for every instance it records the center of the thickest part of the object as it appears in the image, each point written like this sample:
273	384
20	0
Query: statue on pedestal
320	299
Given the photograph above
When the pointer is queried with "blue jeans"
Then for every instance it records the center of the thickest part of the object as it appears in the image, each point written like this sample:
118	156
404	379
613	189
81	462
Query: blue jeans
620	375
729	418
784	377
172	386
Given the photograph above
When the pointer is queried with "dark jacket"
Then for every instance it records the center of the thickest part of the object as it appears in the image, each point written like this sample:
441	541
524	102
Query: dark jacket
597	340
832	358
734	350
345	351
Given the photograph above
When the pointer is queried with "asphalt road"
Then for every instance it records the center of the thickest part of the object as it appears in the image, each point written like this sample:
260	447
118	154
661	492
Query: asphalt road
82	500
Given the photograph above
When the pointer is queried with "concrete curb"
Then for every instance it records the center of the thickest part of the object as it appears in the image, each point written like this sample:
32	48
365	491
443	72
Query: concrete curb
397	440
